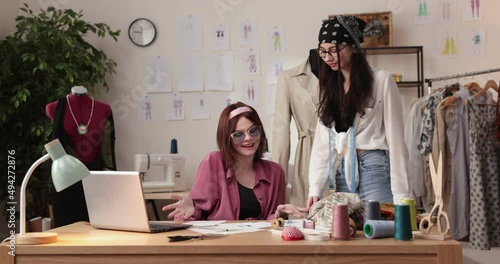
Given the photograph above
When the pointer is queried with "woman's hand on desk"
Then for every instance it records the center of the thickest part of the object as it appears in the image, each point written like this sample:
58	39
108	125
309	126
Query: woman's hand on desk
284	210
312	200
183	209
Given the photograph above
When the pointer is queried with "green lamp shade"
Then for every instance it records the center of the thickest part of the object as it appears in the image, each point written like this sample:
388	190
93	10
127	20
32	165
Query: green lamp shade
66	169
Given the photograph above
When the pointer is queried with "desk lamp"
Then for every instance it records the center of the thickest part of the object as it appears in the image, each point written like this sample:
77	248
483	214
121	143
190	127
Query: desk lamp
66	171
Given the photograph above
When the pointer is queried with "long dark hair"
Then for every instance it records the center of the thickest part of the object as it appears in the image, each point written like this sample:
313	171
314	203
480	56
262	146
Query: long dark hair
334	105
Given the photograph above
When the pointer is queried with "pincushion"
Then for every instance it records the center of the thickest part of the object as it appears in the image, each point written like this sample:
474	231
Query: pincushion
291	233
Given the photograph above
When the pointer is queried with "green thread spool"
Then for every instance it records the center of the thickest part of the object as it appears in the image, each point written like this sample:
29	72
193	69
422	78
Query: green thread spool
402	225
411	203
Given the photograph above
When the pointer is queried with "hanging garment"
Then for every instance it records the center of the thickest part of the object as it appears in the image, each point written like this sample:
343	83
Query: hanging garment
457	127
412	137
297	97
484	176
428	121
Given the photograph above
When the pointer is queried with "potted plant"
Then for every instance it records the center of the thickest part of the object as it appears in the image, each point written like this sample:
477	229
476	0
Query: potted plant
40	62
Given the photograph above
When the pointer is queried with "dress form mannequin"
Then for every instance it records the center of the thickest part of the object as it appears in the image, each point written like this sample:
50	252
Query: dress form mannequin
93	144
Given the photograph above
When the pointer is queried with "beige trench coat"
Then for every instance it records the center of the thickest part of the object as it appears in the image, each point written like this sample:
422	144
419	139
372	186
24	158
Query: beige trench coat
297	97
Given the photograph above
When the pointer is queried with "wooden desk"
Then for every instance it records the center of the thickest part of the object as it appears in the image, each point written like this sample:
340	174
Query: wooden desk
80	243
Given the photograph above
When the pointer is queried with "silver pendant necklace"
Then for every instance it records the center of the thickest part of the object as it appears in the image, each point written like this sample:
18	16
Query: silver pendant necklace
82	129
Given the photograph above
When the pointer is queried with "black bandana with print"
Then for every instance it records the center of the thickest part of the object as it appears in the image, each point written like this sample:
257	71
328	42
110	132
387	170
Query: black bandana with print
343	30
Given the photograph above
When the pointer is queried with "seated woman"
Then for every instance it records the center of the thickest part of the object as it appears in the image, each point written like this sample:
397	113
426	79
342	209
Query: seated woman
234	183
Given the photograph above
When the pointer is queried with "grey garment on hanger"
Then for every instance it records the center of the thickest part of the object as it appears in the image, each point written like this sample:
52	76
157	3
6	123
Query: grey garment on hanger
457	127
484	176
413	126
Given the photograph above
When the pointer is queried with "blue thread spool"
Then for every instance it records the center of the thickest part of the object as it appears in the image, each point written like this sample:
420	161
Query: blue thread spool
411	203
173	146
402	226
372	210
378	229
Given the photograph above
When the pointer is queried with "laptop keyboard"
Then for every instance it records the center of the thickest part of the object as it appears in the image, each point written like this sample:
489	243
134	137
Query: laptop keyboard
164	227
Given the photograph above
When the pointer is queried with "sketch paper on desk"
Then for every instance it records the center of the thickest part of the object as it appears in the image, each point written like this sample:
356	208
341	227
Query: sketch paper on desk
190	73
189	33
220	73
232	228
204	223
199	107
159	75
175	107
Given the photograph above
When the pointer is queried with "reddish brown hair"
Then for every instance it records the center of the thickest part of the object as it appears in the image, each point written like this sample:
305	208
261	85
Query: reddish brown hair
227	126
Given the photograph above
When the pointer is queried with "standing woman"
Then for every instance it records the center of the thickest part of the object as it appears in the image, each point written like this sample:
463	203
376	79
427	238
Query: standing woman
359	143
234	183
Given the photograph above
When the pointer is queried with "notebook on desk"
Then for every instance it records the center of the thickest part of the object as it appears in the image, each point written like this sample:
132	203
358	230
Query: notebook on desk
115	200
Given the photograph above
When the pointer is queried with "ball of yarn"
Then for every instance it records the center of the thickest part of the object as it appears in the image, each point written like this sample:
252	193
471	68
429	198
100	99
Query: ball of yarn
291	233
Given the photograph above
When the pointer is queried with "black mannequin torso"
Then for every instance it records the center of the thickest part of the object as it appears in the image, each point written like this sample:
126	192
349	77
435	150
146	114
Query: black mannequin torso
93	145
314	62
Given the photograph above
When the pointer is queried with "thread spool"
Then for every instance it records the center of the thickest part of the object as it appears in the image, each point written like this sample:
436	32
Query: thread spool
306	224
378	229
36	224
46	224
372	210
352	227
277	223
411	203
173	146
340	226
402	225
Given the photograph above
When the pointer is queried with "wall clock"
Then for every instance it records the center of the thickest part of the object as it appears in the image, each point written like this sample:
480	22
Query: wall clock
142	32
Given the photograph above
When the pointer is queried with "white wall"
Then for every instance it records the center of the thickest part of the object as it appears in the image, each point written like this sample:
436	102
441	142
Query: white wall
8	12
301	20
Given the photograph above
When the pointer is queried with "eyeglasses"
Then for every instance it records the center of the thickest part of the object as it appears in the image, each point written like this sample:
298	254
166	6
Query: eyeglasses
239	136
322	53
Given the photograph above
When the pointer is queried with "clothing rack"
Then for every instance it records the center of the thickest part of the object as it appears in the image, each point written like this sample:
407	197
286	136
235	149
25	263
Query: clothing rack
456	76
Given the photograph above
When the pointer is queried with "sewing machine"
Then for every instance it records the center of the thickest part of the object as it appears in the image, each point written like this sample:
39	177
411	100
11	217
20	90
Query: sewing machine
173	172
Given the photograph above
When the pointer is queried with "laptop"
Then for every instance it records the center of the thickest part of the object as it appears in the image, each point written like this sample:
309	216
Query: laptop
115	200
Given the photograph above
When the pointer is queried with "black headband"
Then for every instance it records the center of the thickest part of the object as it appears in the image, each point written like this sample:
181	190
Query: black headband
342	29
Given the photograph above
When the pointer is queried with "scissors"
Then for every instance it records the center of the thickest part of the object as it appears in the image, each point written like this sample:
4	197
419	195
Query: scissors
437	183
201	237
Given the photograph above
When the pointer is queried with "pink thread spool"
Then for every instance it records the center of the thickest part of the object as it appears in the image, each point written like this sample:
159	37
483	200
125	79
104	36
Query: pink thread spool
340	226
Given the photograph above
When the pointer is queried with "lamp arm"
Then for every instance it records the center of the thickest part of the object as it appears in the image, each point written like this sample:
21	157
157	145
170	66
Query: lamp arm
22	214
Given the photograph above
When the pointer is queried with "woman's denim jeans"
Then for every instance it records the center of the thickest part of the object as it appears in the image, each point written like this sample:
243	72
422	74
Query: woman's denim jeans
374	176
